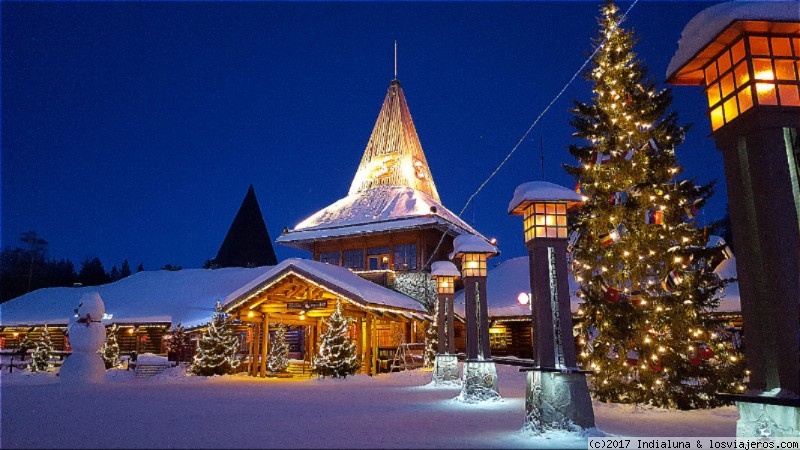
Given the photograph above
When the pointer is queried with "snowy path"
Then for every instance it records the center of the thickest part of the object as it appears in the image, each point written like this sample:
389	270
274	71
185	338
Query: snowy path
387	411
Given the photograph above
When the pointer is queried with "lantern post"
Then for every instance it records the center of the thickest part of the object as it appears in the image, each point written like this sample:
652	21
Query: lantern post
445	367
557	393
747	59
480	373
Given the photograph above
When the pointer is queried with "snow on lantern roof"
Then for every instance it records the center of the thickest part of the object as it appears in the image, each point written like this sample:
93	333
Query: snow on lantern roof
444	269
377	210
540	191
470	243
713	23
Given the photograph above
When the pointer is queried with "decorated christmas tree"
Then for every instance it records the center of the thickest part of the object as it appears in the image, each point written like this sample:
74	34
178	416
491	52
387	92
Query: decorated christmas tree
278	358
217	348
432	338
645	271
110	349
179	345
337	356
42	354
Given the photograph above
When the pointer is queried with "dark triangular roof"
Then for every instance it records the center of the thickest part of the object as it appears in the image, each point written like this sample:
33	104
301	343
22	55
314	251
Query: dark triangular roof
247	243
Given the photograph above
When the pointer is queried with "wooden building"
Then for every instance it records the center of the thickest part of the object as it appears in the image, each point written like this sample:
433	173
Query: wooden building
302	293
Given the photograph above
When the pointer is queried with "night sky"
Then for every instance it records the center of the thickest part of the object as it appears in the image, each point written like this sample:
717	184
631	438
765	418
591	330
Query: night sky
133	130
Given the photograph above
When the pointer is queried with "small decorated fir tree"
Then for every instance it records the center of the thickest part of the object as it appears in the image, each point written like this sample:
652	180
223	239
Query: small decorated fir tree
337	356
110	349
179	346
432	339
43	352
278	358
217	348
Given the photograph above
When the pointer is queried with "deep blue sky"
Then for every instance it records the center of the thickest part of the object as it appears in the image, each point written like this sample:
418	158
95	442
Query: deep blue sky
133	130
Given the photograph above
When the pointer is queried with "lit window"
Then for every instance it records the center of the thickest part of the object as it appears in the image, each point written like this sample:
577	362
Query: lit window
766	94
789	95
781	46
759	45
737	51
545	220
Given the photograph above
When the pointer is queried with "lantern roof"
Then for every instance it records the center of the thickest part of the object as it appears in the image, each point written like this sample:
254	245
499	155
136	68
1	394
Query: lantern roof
541	191
444	269
707	33
394	156
471	243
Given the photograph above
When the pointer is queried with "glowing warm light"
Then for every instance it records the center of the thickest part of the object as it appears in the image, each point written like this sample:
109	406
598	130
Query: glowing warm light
250	314
523	298
545	220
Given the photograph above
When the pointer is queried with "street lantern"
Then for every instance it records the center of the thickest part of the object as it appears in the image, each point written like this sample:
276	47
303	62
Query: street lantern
480	373
557	389
446	363
746	55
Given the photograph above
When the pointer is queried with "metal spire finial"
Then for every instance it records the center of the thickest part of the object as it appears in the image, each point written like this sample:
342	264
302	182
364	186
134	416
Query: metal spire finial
395	59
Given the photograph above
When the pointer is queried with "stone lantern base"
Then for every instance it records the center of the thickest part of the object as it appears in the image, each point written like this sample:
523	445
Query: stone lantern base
557	400
766	420
445	369
479	381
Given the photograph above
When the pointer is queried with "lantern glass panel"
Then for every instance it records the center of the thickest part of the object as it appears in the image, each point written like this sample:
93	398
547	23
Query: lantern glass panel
745	99
737	51
545	219
766	94
716	118
762	69
445	284
742	75
781	46
789	95
759	45
784	69
724	62
731	110
713	94
711	73
726	82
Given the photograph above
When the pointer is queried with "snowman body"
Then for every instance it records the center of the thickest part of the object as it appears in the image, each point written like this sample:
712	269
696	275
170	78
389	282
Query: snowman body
86	335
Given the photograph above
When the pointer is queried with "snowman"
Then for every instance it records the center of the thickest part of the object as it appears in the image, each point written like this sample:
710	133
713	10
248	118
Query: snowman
86	335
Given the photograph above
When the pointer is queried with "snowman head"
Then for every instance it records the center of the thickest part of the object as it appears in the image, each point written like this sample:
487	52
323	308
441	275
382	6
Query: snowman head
91	307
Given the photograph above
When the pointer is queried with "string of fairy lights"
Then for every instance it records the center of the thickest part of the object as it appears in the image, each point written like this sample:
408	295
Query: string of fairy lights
527	132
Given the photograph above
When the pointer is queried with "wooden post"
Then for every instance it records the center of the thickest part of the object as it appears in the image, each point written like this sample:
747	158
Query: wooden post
368	355
264	345
250	352
256	349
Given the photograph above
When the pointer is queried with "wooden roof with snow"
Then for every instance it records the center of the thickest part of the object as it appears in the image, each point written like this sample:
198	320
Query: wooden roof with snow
392	191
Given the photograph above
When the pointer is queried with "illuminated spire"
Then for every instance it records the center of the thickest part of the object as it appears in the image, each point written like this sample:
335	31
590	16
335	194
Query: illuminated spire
394	156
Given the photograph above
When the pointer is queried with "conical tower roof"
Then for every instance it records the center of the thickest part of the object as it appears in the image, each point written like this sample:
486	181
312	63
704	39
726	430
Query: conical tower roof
394	156
247	243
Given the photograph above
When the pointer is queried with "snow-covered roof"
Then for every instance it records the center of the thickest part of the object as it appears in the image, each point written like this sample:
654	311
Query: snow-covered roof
540	191
506	281
470	243
377	210
336	278
709	23
187	296
444	269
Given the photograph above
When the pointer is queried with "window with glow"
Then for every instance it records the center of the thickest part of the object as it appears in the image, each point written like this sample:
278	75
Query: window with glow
353	259
545	220
405	257
329	258
754	70
473	265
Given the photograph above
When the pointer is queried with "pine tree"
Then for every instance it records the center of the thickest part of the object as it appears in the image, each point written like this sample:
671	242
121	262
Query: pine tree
43	352
217	348
337	356
432	338
646	276
278	358
179	344
125	270
110	349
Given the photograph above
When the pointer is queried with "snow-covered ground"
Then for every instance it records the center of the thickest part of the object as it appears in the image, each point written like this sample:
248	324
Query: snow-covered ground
399	410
